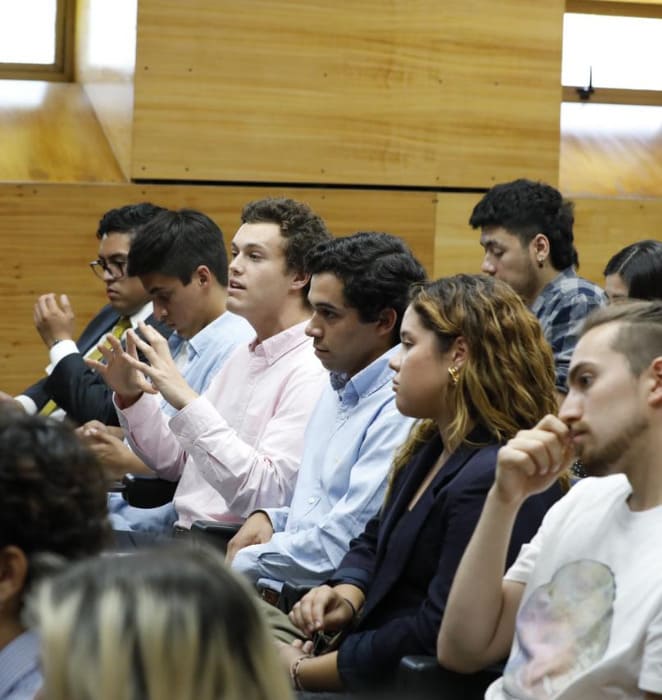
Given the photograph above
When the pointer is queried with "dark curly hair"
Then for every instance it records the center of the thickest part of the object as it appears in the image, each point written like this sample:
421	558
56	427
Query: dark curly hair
52	489
127	219
526	208
301	228
376	269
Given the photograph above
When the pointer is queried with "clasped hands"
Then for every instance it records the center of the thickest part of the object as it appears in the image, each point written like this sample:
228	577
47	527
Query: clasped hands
130	377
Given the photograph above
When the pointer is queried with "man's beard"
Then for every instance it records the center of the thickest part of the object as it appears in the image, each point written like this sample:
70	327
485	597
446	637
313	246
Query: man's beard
598	461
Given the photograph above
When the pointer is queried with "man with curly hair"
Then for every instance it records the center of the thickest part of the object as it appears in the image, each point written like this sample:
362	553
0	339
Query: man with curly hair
526	232
53	508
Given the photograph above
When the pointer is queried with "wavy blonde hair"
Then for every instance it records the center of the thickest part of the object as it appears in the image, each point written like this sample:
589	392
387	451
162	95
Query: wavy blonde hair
167	624
507	382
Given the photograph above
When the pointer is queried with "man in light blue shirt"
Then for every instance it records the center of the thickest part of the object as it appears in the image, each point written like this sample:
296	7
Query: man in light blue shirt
180	258
359	292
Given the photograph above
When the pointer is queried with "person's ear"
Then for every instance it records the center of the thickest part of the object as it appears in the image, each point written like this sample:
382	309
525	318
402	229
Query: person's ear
540	249
655	396
13	573
459	351
203	275
386	321
299	280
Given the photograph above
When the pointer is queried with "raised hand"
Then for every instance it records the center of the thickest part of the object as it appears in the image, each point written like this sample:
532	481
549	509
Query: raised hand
53	320
162	370
531	461
120	371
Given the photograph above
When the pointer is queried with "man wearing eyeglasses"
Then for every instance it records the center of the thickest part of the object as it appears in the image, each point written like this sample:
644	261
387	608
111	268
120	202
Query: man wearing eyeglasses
71	388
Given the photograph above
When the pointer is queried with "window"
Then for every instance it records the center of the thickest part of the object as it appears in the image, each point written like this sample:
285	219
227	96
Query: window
35	39
617	55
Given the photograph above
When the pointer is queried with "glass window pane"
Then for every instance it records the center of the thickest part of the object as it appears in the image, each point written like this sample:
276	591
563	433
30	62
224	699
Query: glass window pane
625	52
27	31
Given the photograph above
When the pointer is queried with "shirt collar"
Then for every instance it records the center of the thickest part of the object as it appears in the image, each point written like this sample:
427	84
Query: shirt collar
365	382
201	340
142	314
272	349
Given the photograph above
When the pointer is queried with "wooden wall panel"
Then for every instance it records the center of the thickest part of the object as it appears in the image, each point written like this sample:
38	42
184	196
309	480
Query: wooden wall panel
49	133
410	92
456	247
604	226
105	65
47	237
611	150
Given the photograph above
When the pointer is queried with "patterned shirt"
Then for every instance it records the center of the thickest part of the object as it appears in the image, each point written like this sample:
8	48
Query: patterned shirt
561	307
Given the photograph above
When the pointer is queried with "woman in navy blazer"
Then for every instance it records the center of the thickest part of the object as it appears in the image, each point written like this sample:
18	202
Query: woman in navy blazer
475	368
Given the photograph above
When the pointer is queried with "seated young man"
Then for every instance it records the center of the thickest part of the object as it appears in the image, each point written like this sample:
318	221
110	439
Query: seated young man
359	291
181	261
53	503
71	388
527	234
582	605
236	447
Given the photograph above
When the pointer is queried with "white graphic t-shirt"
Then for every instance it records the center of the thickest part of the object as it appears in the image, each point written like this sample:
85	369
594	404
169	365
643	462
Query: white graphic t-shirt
590	623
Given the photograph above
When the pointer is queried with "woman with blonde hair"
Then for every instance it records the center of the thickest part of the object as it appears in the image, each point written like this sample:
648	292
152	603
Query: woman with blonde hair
162	624
475	368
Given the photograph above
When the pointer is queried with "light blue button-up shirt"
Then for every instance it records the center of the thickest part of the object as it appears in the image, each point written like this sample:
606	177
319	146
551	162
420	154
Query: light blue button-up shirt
20	677
348	451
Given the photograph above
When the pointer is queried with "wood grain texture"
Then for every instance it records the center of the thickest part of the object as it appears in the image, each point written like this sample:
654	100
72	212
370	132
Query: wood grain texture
604	226
49	133
105	66
48	236
611	150
410	92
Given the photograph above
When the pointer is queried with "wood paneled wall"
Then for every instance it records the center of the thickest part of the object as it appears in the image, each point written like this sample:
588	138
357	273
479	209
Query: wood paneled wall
105	64
409	92
48	237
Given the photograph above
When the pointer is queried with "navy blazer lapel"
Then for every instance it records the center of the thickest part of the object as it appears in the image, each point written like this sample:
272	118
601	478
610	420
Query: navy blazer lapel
98	327
407	486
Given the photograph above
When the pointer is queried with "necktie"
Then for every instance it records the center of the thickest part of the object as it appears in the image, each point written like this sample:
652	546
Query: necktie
122	325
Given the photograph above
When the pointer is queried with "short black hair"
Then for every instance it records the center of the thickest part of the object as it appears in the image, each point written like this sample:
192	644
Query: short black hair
377	271
53	489
127	219
640	266
526	208
301	228
176	243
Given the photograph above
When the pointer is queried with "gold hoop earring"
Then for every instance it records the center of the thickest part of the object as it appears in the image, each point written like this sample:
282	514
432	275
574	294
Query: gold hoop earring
454	375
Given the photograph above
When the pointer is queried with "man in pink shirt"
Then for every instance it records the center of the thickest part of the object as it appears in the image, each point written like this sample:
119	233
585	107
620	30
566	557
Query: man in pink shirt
236	447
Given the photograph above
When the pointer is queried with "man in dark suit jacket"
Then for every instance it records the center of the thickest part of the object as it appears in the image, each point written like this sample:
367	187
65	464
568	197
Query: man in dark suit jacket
76	390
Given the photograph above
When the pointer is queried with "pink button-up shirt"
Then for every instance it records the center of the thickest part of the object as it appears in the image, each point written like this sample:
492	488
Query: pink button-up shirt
238	446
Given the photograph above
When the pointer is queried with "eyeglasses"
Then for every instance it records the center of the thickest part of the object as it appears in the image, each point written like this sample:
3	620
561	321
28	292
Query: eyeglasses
115	268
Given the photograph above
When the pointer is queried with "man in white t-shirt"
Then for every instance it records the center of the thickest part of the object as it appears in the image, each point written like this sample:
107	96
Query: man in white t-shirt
582	605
